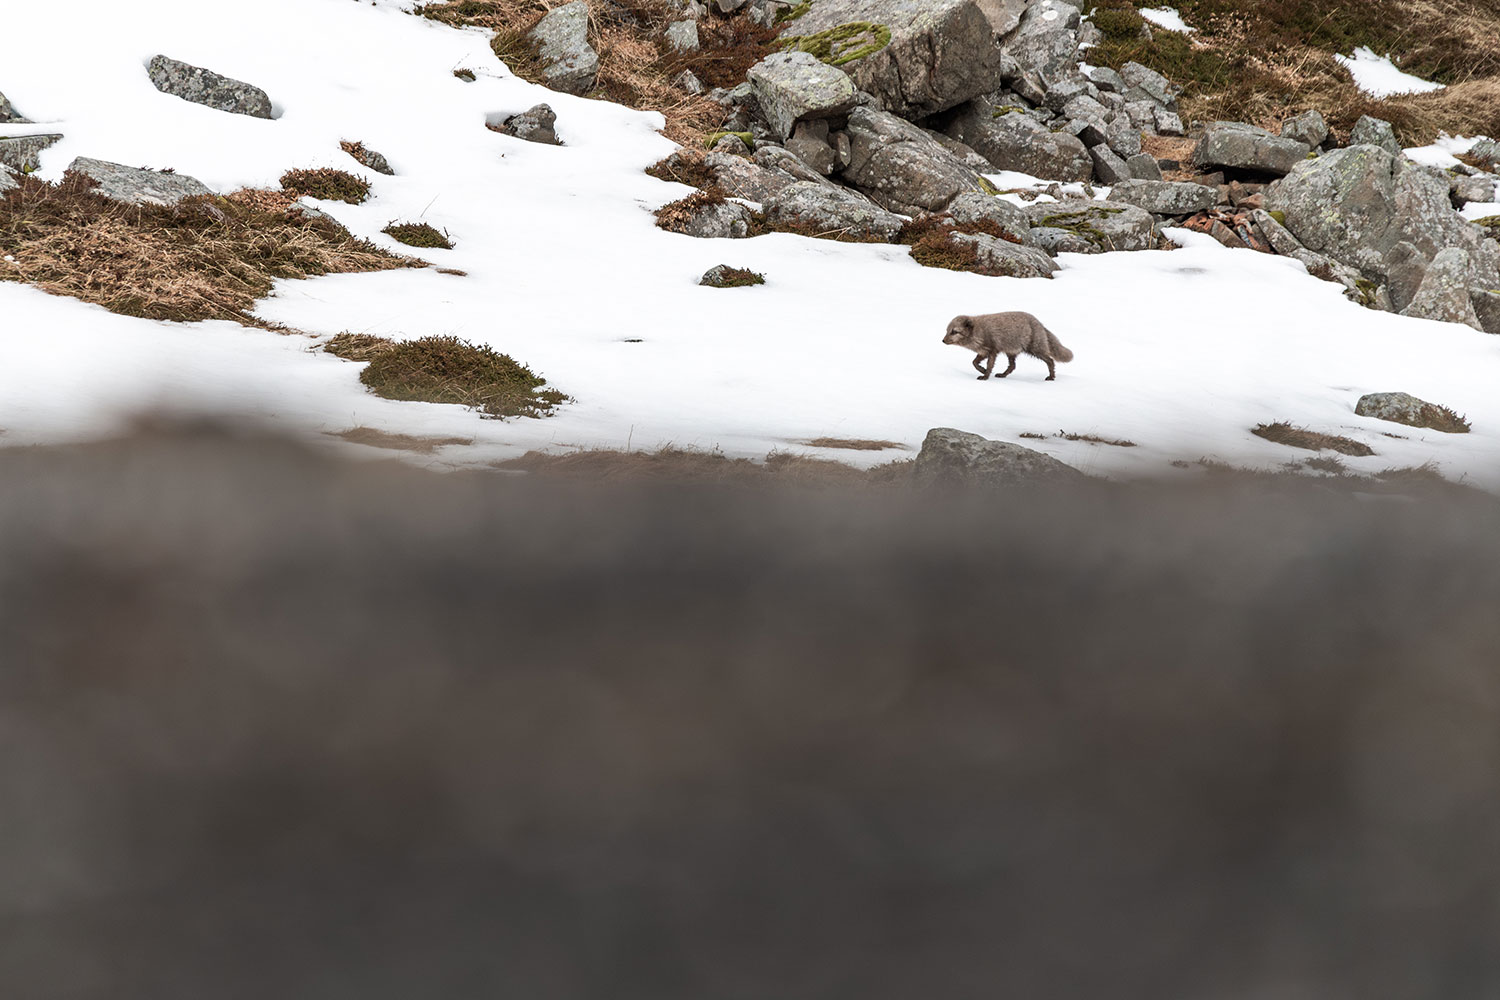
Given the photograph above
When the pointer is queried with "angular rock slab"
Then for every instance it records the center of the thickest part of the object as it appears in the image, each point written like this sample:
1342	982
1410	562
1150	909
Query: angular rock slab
1245	147
797	86
1016	141
1043	51
568	63
1443	294
204	86
917	57
951	457
832	210
137	186
902	168
1010	259
7	179
8	113
1166	197
972	208
23	152
1101	226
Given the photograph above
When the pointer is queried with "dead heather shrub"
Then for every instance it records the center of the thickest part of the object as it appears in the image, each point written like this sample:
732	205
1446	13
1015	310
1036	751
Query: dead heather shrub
1440	418
327	184
418	234
1299	437
205	258
686	166
736	277
675	216
357	346
938	248
913	231
451	370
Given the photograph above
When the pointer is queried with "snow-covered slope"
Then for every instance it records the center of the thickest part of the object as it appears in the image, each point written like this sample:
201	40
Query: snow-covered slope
1180	352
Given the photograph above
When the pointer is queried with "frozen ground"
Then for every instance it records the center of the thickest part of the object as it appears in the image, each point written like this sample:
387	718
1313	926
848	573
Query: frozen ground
1180	352
1379	77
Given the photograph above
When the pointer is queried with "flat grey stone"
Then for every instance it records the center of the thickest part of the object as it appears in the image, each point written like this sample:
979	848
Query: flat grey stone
23	152
568	63
204	86
1166	197
794	86
138	186
1245	147
831	210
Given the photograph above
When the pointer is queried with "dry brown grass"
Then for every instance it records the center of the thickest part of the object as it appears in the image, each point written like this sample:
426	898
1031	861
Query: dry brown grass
1299	437
854	444
376	438
683	465
675	216
635	67
357	346
206	258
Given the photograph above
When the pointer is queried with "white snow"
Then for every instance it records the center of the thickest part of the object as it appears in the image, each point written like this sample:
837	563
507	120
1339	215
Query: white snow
1379	77
1180	352
1167	17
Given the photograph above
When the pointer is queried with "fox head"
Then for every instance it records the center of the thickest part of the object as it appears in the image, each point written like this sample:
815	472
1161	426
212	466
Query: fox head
959	330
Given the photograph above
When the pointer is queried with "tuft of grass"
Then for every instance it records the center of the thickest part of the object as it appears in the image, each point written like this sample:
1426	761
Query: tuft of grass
675	216
686	166
1096	439
737	277
854	444
451	370
1440	418
376	438
205	258
326	183
357	346
418	234
465	74
1298	437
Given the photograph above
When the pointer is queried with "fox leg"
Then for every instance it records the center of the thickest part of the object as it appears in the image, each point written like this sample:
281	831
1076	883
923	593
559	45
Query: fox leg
979	363
1051	369
1012	359
990	368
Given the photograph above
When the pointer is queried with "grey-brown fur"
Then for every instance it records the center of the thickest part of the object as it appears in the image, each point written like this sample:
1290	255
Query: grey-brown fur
1010	334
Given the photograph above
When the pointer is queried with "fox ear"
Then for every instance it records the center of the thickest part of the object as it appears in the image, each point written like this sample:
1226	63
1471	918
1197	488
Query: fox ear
967	323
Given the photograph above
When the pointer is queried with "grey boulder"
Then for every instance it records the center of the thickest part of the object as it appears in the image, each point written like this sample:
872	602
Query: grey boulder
1166	197
533	125
1444	292
1006	258
138	186
1374	132
1097	226
828	210
1308	127
682	36
23	152
1013	140
204	86
8	113
952	457
974	208
795	86
561	39
743	178
1246	147
1145	84
916	57
1404	408
1043	50
7	179
901	167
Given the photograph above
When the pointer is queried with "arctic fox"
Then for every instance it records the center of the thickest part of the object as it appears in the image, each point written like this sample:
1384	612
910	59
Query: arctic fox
1008	333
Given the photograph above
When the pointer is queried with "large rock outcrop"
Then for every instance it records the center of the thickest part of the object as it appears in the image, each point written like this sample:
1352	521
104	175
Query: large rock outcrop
917	57
1238	146
1043	50
204	86
901	167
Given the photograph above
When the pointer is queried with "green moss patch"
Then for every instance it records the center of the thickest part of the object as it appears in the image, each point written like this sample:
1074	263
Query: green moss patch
451	370
418	234
326	183
843	44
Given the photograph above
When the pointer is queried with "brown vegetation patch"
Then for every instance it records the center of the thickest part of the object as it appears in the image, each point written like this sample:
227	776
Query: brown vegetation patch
1440	418
676	216
326	183
1263	61
418	234
205	258
396	442
914	230
854	444
450	370
1298	437
683	465
357	346
761	224
686	166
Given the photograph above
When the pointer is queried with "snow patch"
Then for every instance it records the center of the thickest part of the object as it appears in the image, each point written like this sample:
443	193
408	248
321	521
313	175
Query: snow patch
1167	17
1379	77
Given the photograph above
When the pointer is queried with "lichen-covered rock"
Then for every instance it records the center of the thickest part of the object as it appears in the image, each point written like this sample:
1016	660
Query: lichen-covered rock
1145	84
1123	137
1370	131
1108	167
534	125
809	143
1486	304
916	57
204	86
1462	189
1308	127
1404	408
900	166
561	39
1011	260
1357	204
951	457
368	157
972	208
682	36
831	210
1444	292
742	178
138	186
1103	226
796	86
1405	268
7	179
1244	147
724	276
23	152
8	113
1016	141
1166	197
1043	50
1143	167
727	220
